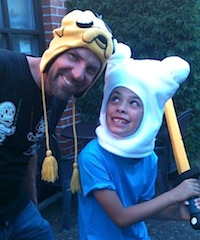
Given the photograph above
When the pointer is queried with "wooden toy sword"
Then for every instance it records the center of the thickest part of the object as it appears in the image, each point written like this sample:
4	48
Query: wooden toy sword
182	163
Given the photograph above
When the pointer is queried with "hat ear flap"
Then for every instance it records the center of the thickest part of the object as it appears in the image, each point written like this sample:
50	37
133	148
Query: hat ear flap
177	67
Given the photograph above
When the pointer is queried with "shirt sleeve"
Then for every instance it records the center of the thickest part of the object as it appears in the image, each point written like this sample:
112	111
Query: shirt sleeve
93	172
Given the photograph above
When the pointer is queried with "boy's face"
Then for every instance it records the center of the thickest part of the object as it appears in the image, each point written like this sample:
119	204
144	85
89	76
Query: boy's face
124	112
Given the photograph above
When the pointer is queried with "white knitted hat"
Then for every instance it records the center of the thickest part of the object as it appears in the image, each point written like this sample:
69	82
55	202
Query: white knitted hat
154	82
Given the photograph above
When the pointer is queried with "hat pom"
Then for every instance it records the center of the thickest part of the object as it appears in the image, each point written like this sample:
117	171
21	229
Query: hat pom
75	185
49	168
177	67
122	51
121	54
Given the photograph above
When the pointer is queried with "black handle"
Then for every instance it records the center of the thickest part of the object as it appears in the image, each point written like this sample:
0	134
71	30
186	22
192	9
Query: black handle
194	215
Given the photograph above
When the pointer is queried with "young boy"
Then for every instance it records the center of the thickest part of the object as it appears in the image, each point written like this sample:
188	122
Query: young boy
118	169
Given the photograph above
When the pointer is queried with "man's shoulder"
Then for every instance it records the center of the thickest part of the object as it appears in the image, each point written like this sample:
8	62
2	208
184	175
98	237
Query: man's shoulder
11	57
6	52
13	63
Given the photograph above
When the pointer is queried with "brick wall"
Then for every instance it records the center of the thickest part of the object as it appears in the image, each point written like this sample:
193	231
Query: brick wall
53	12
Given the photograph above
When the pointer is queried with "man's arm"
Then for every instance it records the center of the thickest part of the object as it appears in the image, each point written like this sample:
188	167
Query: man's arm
29	181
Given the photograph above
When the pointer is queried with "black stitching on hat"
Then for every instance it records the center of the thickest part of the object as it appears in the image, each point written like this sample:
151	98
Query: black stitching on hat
102	39
84	25
106	25
62	33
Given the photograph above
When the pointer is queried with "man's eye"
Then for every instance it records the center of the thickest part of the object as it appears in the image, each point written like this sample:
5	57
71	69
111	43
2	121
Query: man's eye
73	56
92	70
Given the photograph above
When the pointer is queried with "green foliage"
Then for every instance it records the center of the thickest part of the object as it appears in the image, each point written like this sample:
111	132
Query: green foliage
156	29
89	106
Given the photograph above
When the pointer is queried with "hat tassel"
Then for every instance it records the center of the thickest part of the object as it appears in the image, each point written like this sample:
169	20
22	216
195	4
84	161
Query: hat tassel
49	171
49	168
75	184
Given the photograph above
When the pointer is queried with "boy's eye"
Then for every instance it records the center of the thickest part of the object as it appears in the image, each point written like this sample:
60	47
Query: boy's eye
114	99
134	103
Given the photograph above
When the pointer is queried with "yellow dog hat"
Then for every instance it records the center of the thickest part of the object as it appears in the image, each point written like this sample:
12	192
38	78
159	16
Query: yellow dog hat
80	29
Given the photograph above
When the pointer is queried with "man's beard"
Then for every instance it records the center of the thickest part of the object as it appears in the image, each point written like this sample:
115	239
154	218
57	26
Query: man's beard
58	92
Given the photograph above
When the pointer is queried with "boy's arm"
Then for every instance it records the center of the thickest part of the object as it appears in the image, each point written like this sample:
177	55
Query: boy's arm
177	211
126	216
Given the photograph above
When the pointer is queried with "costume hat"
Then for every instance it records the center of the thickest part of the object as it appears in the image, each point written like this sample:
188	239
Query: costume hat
83	29
80	29
154	82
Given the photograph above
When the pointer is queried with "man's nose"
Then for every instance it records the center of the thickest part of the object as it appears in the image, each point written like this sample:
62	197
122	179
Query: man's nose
78	72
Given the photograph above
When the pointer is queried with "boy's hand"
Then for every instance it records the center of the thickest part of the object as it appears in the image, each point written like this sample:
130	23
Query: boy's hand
187	189
184	211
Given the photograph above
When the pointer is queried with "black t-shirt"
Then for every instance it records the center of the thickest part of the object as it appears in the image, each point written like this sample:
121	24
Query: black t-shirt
21	126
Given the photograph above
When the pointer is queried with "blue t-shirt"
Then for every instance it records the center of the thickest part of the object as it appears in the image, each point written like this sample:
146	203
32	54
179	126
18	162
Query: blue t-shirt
132	179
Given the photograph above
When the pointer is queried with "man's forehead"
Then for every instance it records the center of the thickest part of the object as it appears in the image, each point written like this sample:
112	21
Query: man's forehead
87	55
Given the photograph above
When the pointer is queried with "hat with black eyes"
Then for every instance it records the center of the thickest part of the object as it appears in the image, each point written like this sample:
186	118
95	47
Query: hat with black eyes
154	82
83	29
80	29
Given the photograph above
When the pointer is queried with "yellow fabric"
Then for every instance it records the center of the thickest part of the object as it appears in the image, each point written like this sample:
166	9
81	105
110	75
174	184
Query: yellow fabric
75	184
80	29
50	166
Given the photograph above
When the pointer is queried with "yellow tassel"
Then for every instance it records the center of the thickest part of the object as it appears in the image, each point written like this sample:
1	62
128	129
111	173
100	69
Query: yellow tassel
49	171
75	180
75	185
49	168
